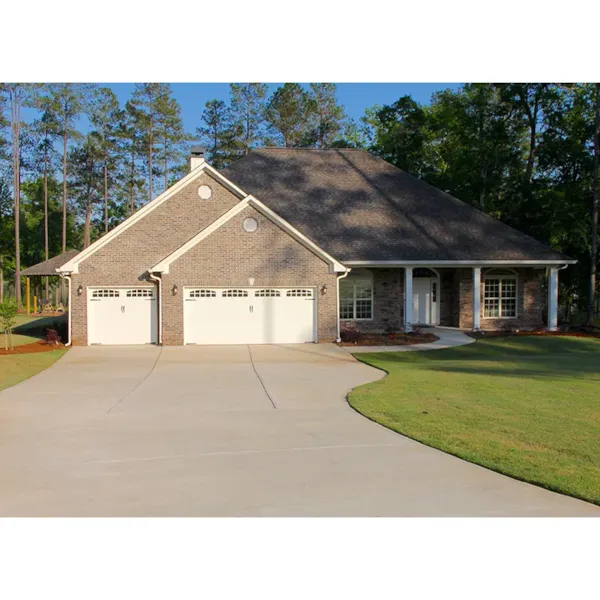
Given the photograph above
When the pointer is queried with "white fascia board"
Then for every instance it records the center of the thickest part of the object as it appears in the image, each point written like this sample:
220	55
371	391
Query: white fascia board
73	265
455	263
163	265
337	266
226	182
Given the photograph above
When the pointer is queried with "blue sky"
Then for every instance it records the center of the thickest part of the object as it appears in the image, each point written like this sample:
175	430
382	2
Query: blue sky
355	97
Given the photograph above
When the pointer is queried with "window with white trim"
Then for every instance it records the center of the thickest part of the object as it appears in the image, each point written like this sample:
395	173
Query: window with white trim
356	297
499	294
267	293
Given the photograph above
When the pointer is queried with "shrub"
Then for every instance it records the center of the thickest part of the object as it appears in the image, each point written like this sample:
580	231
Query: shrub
52	337
8	313
350	336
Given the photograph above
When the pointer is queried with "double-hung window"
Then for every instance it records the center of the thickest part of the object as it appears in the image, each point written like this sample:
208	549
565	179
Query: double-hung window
499	294
356	298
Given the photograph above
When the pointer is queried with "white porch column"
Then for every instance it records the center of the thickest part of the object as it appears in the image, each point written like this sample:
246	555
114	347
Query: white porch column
408	298
476	298
553	299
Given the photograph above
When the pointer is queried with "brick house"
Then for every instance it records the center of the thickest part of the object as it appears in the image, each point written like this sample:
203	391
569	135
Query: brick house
291	245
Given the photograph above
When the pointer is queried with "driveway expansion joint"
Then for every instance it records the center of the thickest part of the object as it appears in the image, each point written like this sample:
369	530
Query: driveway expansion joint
264	387
137	385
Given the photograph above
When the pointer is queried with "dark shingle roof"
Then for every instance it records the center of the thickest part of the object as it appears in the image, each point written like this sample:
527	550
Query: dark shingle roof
359	207
48	267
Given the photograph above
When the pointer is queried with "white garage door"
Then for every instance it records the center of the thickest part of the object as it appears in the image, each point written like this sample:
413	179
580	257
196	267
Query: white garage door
249	315
122	315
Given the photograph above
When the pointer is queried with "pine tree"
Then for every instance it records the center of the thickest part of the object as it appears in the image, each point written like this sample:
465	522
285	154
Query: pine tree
217	133
147	100
86	180
248	107
170	135
68	101
106	116
45	129
133	148
18	95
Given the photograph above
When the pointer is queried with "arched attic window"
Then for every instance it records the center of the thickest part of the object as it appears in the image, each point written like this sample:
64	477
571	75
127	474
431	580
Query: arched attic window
500	294
356	296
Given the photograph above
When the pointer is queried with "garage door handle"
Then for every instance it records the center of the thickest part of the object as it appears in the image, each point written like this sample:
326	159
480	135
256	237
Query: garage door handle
251	308
122	309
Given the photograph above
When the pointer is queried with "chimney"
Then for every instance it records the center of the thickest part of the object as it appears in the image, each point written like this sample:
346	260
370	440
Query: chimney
196	157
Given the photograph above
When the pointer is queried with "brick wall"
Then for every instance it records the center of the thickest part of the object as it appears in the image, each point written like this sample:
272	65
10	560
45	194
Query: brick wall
388	302
125	260
230	257
529	301
456	301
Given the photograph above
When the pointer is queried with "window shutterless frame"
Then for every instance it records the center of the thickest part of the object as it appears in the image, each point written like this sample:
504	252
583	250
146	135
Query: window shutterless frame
356	299
500	294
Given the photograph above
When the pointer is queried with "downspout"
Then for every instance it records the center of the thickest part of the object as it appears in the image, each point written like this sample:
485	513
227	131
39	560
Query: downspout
67	276
339	338
160	301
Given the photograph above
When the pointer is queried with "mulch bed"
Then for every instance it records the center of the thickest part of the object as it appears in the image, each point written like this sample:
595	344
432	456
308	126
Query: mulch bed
40	346
487	334
397	339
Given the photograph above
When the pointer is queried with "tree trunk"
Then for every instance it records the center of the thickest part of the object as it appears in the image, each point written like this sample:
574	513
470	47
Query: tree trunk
150	146
15	129
594	249
64	202
46	252
105	198
131	189
87	224
166	167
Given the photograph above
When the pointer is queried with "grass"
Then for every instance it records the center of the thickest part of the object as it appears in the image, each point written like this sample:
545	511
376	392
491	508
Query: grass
528	407
14	369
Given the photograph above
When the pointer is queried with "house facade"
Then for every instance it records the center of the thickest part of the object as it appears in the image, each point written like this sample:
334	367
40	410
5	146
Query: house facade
296	245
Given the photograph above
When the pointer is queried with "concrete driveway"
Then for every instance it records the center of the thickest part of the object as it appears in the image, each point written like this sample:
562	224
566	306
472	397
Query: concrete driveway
228	431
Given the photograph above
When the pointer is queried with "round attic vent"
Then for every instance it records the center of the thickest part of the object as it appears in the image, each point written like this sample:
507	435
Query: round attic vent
250	225
204	192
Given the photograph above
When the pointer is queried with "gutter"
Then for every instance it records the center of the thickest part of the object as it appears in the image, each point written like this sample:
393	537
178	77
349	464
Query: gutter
339	338
159	281
67	276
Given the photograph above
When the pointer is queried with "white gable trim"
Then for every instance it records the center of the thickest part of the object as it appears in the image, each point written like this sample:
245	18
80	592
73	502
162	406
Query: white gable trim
164	264
73	265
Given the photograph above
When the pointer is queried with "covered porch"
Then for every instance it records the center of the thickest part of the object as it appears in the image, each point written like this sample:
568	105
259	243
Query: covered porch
484	296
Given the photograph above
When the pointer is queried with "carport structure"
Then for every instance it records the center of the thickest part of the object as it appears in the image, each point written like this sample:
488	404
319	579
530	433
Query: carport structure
45	269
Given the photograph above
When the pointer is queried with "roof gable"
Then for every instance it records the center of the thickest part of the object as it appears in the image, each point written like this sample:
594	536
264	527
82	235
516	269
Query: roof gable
164	265
72	265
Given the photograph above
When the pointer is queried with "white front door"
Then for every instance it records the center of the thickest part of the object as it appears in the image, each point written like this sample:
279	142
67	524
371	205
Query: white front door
425	300
249	315
122	316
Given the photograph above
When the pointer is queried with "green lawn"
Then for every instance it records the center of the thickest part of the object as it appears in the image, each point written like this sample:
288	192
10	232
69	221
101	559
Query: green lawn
14	369
528	407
